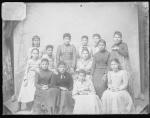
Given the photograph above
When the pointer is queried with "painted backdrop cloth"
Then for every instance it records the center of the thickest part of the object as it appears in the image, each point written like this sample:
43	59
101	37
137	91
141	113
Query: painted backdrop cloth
117	102
99	68
86	100
27	92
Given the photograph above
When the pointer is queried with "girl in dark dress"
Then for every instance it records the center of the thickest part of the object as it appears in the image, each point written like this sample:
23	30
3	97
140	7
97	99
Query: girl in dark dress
64	81
46	97
99	68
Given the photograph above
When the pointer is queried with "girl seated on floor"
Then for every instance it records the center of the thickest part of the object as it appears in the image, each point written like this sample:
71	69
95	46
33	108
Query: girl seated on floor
86	100
116	99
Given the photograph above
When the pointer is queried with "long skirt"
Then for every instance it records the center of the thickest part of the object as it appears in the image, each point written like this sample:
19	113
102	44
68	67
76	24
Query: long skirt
27	92
119	102
125	64
66	102
46	101
87	104
99	84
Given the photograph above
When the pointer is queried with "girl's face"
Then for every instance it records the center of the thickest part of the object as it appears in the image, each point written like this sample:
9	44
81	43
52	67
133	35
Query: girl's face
117	39
49	51
84	41
36	42
44	65
35	54
114	66
101	46
61	68
81	76
96	40
85	55
66	40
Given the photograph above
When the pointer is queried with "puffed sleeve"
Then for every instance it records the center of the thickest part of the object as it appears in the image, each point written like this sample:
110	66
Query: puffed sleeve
108	62
91	87
93	66
70	84
75	89
58	54
74	57
36	81
125	80
89	66
54	80
109	79
123	50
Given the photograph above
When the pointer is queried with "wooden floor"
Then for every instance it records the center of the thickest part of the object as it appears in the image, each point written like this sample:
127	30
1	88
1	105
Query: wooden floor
139	104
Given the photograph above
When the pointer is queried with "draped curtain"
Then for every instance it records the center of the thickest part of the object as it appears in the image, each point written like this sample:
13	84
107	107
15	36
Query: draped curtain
8	58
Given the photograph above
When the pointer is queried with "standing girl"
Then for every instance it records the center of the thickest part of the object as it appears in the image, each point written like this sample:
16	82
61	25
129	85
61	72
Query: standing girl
49	55
84	44
96	38
35	44
67	53
116	99
27	90
100	67
120	51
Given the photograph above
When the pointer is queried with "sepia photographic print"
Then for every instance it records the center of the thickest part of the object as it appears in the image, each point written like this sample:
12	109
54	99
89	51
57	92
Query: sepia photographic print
75	58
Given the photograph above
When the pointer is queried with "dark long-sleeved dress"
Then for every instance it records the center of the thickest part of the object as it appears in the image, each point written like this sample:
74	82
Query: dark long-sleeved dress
66	101
66	53
46	100
99	68
123	55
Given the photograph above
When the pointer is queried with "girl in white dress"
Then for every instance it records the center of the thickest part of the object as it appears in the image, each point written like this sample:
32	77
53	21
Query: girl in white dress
86	100
116	99
27	90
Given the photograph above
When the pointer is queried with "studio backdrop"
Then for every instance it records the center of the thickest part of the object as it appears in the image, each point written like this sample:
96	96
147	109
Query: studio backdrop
51	20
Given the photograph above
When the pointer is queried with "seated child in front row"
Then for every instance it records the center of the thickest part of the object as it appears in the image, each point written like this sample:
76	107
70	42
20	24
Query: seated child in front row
86	100
116	99
45	95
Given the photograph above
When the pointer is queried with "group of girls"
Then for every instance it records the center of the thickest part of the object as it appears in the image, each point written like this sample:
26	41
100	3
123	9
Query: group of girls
89	80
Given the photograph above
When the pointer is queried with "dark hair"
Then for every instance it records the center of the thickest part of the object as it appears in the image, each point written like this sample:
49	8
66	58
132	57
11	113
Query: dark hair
102	41
34	49
84	36
44	60
118	33
49	46
97	35
35	37
61	63
67	35
82	71
117	61
85	49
